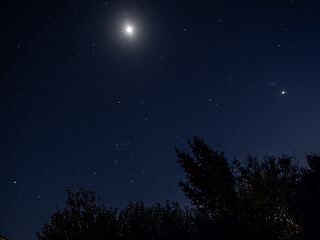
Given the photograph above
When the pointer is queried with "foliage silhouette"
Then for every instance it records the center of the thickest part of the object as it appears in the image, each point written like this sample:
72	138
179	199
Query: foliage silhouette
84	217
252	200
265	190
272	198
307	200
209	180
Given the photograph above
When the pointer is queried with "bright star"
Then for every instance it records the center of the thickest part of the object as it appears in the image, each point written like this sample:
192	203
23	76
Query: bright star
283	92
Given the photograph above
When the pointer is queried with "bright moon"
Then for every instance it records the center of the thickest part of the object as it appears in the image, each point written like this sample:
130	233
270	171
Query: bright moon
129	30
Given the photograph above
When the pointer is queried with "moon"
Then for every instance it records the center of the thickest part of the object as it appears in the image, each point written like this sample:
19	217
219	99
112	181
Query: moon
129	30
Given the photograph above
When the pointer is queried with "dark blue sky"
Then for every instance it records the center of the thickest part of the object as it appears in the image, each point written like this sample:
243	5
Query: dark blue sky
82	101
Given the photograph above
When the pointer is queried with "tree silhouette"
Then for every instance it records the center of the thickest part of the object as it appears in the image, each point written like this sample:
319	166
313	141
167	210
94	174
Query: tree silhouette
85	217
209	181
265	192
273	198
210	185
252	200
136	221
308	199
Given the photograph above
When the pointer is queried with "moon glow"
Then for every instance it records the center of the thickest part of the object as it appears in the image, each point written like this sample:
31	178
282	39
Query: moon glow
129	30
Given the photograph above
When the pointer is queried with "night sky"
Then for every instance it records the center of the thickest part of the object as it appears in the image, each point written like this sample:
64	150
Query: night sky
100	93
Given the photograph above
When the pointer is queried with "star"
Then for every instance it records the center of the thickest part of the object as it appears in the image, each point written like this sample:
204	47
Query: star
283	92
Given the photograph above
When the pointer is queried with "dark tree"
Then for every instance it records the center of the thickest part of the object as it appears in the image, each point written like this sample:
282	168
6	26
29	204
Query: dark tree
271	199
308	199
136	221
254	201
85	217
265	193
209	181
210	185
